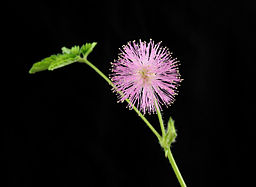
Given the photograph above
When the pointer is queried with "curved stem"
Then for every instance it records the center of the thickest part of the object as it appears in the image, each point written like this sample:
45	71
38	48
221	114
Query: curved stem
160	118
175	168
146	121
127	100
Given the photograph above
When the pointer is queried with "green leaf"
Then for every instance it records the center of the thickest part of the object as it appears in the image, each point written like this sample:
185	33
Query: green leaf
171	132
65	50
42	65
87	49
68	56
75	50
63	60
169	136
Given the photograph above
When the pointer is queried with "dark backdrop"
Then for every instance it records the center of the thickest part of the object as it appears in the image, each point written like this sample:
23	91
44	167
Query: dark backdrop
66	127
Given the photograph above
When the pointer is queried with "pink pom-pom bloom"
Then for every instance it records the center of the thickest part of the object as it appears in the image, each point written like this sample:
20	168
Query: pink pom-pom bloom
147	75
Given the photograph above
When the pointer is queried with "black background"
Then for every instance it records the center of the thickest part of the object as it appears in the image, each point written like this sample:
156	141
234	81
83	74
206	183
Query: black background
66	128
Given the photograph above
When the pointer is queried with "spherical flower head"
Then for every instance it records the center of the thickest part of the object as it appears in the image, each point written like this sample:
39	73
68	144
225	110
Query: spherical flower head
146	74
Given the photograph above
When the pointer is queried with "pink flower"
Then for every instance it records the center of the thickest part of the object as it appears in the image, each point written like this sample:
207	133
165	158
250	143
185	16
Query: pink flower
147	75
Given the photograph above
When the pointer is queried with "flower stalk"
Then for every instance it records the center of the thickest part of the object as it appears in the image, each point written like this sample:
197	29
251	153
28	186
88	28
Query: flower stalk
175	168
160	118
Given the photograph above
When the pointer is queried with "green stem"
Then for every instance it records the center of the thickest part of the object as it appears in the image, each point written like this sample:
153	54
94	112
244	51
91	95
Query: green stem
146	121
168	150
175	168
127	100
160	118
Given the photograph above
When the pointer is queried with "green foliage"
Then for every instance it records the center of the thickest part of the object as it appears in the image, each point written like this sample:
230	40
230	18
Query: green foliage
169	136
61	60
68	56
87	48
171	132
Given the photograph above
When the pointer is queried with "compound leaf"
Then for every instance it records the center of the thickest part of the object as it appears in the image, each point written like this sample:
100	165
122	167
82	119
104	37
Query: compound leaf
68	56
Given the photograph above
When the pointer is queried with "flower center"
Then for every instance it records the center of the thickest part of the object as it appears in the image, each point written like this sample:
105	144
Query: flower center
146	75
